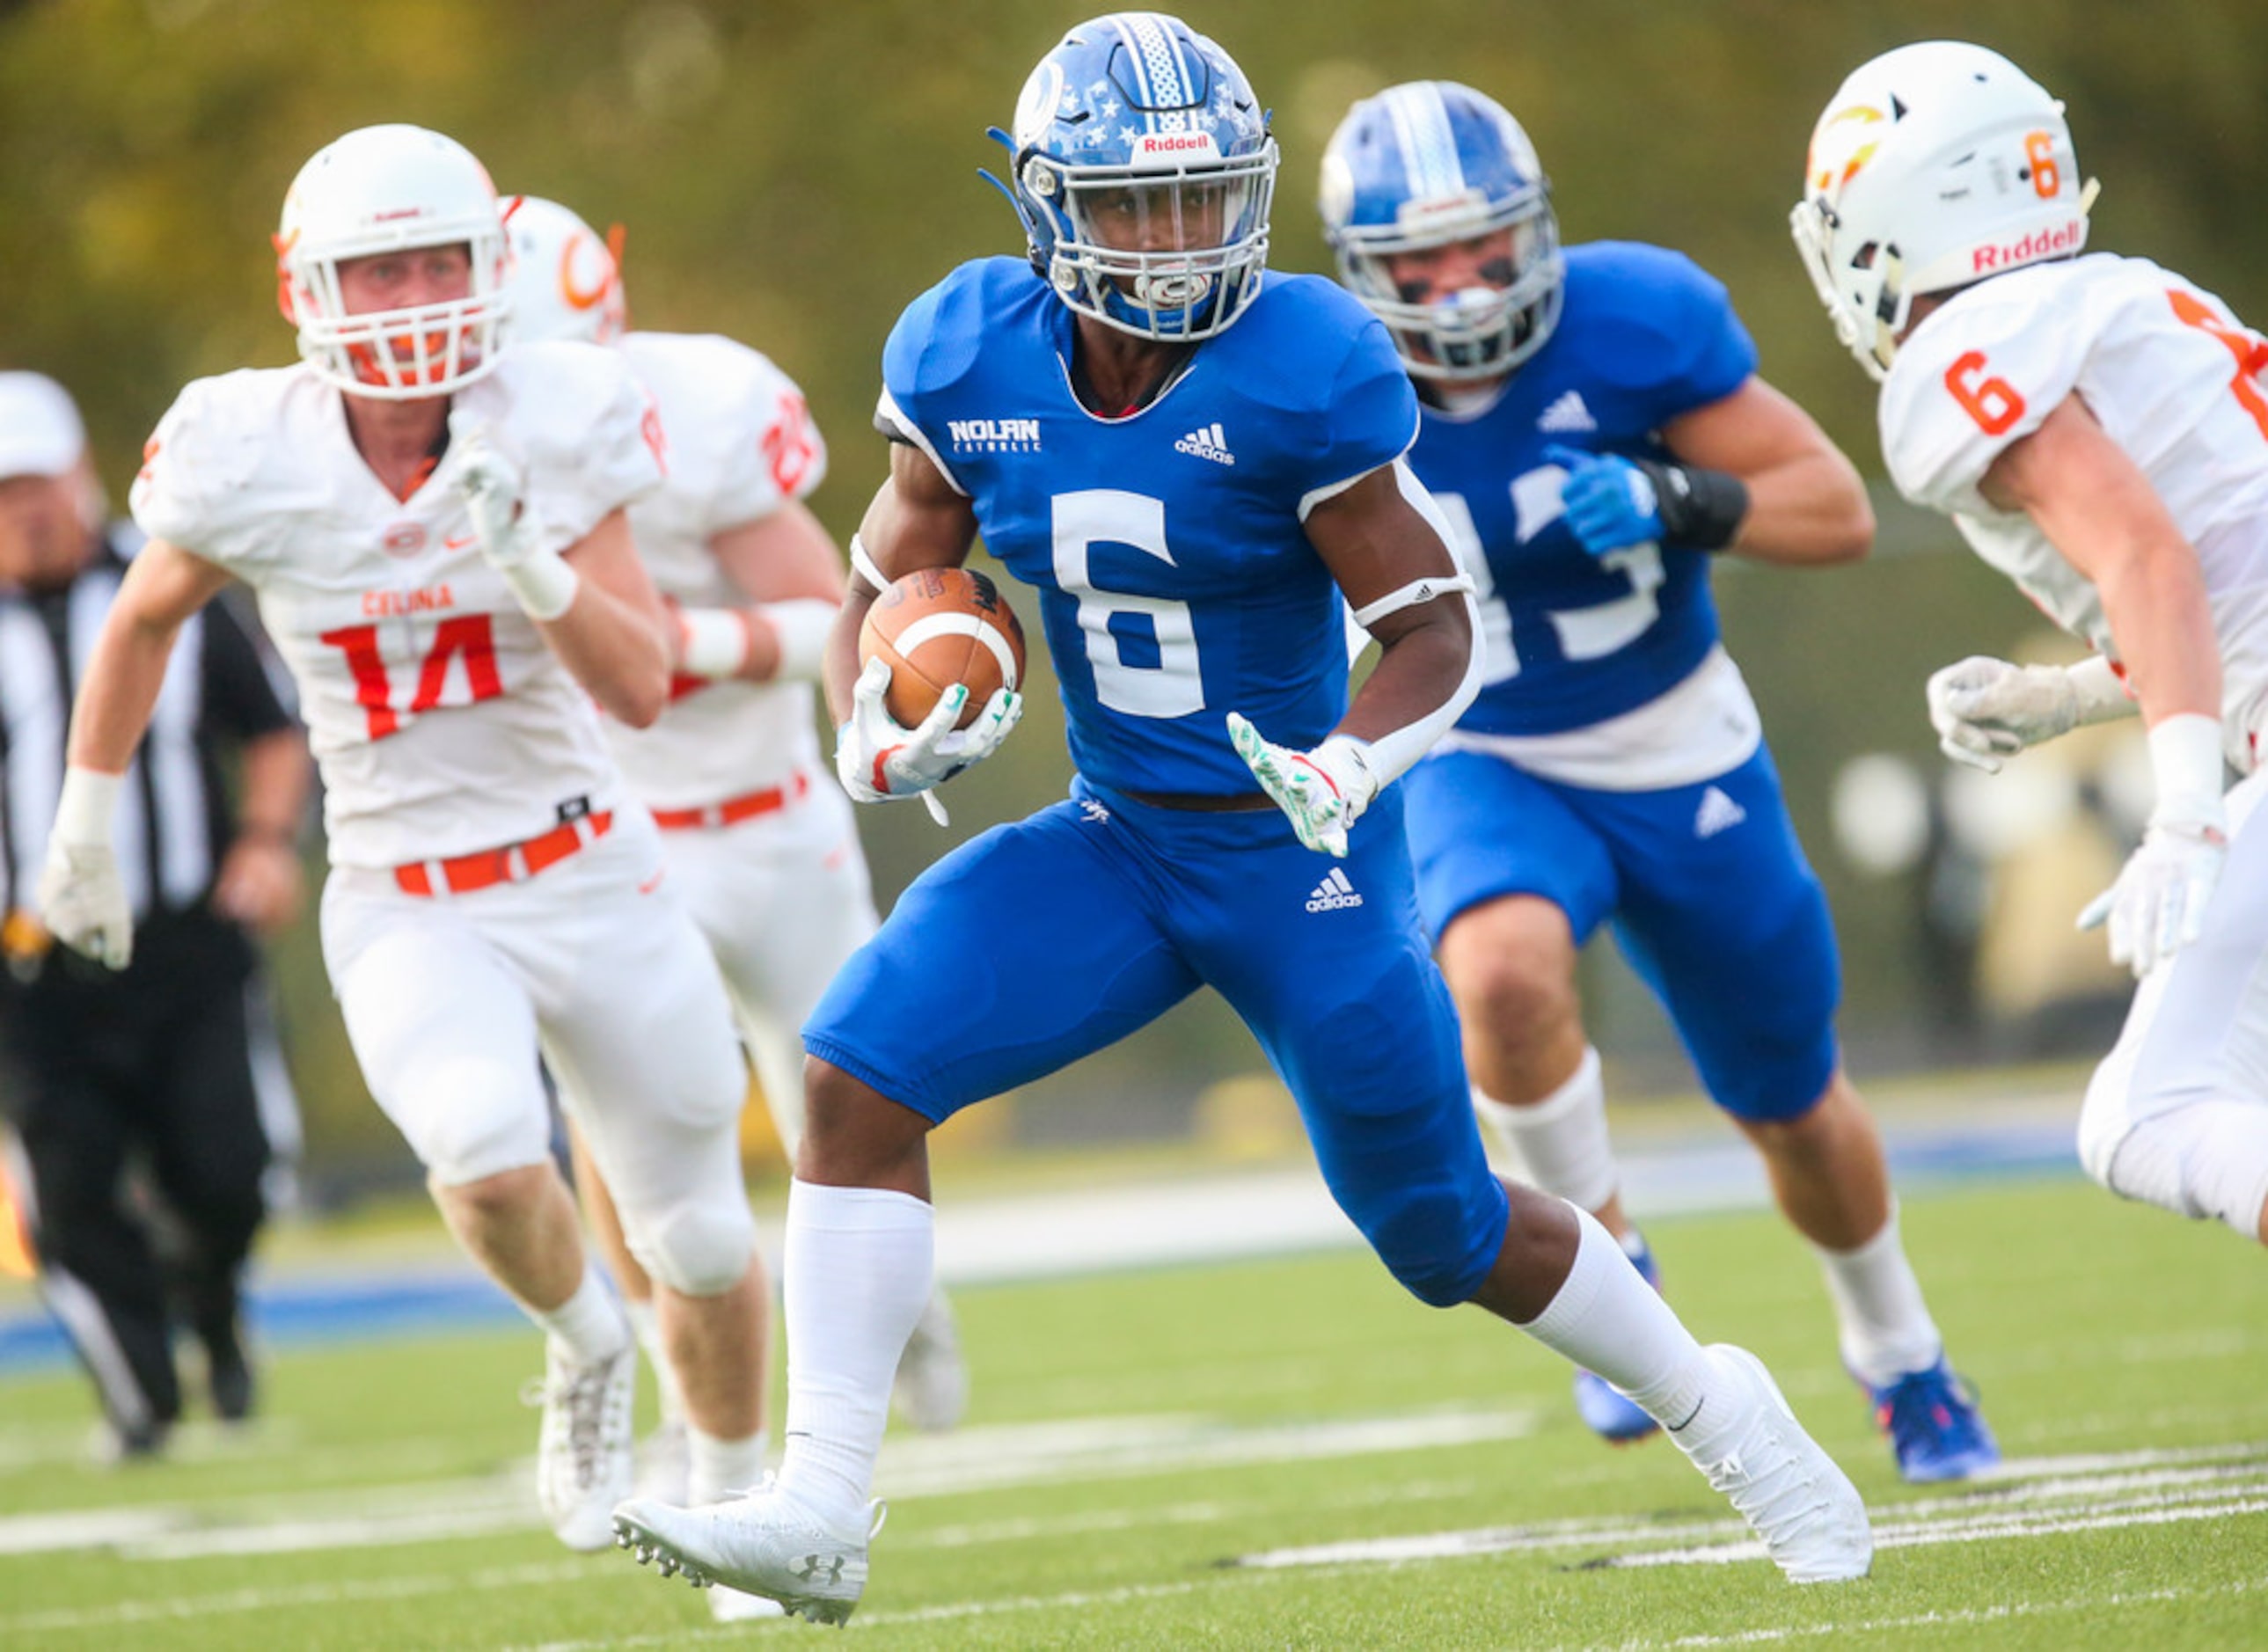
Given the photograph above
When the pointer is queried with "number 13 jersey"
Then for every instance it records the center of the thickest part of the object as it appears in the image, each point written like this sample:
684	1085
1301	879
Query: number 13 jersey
2172	378
441	722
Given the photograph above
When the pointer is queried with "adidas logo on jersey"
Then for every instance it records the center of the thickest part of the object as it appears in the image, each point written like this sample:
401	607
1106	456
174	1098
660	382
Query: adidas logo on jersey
1207	444
1566	415
1717	814
1334	893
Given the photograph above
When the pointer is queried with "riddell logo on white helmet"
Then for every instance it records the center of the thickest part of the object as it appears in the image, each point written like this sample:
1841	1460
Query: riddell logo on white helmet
1175	146
2039	244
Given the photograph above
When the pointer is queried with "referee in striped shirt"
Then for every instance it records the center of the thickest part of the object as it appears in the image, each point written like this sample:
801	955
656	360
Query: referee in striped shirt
161	1064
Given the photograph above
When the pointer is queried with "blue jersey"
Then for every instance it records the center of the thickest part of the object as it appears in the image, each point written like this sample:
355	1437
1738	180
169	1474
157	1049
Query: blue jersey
1175	581
1574	639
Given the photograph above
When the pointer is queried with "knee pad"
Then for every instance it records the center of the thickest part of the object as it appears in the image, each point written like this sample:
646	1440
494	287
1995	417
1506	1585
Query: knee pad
697	1248
472	1120
2208	1159
1437	1246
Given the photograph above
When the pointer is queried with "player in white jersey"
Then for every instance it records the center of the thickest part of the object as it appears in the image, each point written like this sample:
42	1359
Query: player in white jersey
436	529
761	843
2097	429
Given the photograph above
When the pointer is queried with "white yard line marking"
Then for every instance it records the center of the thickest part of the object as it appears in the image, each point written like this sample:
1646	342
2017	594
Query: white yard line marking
1973	1531
2132	1490
244	1600
1078	1598
979	1459
2003	1613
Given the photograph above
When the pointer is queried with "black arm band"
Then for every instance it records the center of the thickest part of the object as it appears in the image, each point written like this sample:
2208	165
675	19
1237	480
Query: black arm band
1701	510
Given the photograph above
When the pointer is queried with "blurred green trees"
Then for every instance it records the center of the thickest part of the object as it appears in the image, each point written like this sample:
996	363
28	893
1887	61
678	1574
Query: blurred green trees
792	172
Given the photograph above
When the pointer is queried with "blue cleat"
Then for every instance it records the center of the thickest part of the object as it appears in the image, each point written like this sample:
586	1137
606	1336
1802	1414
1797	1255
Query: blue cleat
1936	1431
1610	1415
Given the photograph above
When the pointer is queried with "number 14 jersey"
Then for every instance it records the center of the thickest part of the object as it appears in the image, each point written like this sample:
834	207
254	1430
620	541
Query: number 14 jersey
441	722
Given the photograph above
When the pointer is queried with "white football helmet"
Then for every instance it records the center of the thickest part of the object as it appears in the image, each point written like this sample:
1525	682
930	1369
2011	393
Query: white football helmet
1933	166
382	189
566	281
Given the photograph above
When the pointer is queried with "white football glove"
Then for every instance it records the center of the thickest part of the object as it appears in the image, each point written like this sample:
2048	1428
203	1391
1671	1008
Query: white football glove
877	760
83	902
492	481
1986	710
2158	905
1322	792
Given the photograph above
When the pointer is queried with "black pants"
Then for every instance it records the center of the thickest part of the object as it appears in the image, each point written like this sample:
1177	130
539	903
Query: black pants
98	1071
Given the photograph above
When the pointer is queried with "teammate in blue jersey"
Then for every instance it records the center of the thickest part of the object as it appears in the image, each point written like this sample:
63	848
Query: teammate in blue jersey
1594	430
1193	463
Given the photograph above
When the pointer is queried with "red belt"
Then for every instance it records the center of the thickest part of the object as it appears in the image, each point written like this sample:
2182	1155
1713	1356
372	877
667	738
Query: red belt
484	869
732	811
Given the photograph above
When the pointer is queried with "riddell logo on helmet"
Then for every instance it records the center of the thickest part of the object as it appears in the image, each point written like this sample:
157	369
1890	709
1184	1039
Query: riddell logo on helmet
1151	145
2038	244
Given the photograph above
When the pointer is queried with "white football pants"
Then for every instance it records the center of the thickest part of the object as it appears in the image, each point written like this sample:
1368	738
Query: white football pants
2177	1114
447	1000
782	899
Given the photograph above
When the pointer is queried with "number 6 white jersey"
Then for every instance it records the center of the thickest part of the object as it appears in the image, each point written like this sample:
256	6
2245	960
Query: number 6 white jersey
441	722
2173	380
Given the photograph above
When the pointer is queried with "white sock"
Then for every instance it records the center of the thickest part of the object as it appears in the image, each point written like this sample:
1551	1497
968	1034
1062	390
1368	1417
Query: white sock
646	1325
1882	1324
589	1325
1561	1139
857	1273
721	1467
1610	1320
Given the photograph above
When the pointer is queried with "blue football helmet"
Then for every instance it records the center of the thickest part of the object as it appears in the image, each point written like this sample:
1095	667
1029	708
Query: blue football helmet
1426	165
1143	170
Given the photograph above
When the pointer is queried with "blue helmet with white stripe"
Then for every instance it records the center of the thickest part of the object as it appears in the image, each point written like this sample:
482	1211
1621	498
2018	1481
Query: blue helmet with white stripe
1143	170
1427	165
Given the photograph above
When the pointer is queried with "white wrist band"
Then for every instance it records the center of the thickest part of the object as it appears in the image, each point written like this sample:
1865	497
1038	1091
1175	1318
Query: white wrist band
713	643
2186	760
543	584
802	626
88	803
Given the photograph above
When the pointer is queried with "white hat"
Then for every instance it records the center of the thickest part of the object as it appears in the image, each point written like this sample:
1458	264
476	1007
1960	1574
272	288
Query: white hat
40	434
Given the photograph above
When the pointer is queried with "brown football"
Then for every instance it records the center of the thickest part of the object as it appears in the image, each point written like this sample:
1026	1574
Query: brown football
938	626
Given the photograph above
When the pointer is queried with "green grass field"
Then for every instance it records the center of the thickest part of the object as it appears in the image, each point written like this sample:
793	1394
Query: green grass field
1137	1442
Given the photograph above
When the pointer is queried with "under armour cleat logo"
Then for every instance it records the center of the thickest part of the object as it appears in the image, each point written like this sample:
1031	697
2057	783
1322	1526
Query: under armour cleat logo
812	1566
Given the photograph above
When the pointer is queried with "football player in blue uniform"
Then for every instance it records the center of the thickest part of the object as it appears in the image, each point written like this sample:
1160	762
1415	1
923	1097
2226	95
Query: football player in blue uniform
1192	462
1594	430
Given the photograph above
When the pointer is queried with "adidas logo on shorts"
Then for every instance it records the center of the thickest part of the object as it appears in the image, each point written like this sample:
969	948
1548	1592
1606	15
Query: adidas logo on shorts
1333	893
1207	444
1717	814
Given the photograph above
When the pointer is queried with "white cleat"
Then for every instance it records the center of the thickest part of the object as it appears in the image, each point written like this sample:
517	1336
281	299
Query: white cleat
665	1464
1747	1442
583	1459
730	1605
930	1391
760	1544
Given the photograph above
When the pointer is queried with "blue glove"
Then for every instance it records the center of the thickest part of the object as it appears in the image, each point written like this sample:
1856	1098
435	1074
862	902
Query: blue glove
1611	502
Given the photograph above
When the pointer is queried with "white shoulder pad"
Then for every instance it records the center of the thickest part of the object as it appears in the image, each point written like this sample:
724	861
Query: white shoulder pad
590	432
219	474
1978	375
